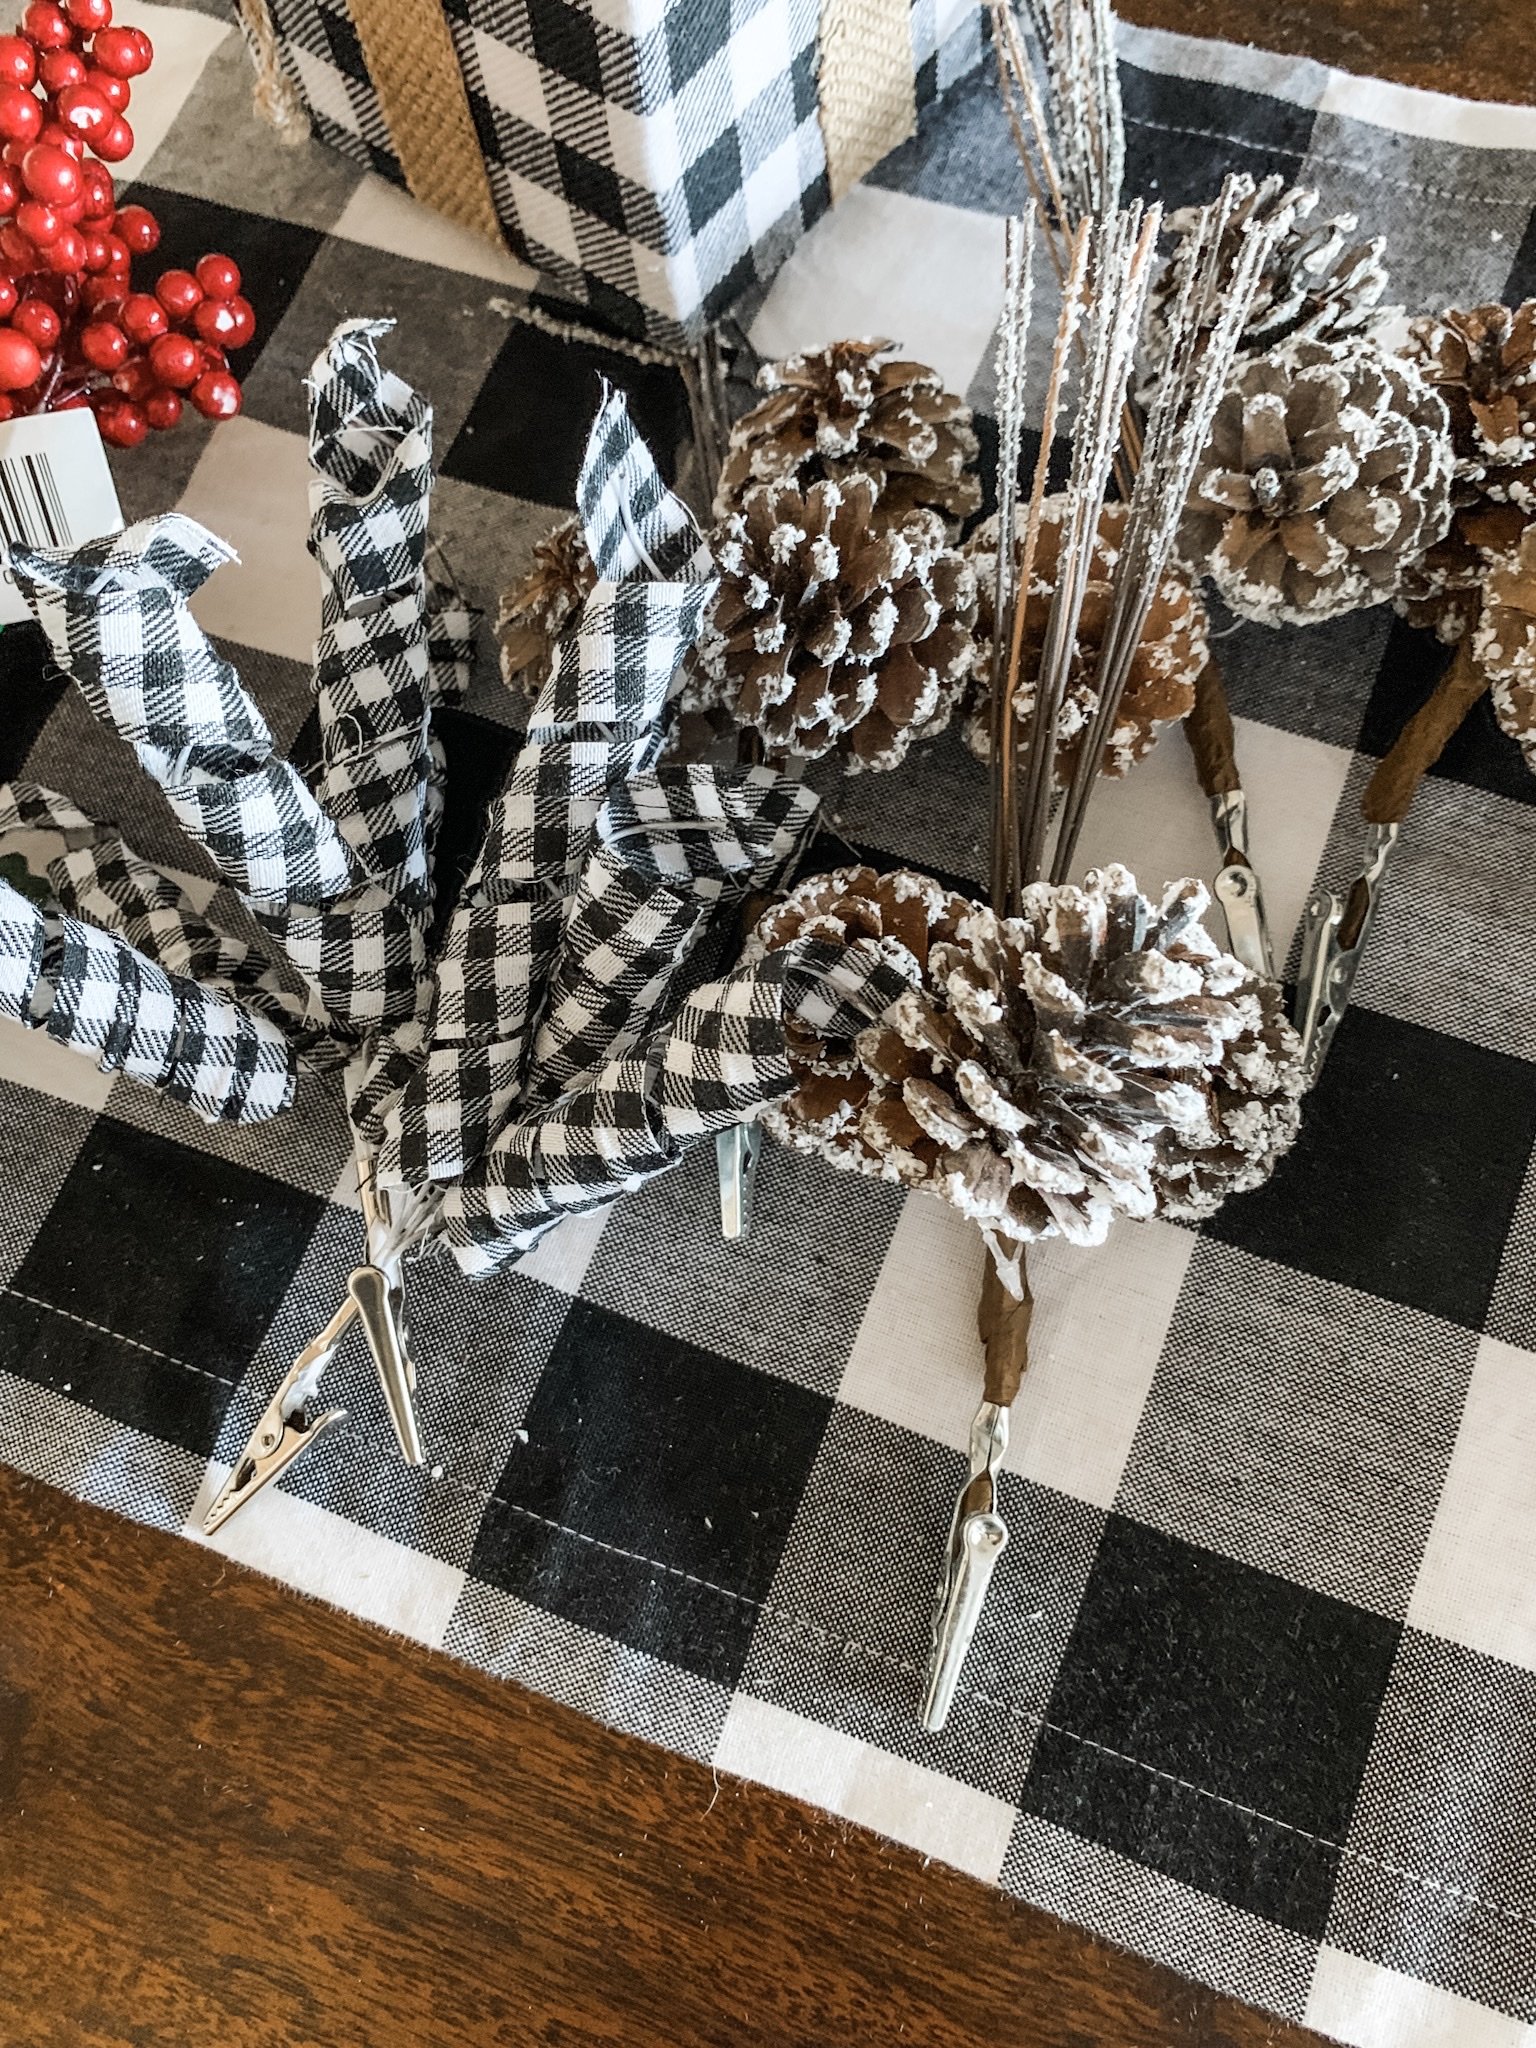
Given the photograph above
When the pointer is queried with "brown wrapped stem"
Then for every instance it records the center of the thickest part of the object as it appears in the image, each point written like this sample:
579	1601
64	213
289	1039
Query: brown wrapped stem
1208	729
1423	740
1003	1326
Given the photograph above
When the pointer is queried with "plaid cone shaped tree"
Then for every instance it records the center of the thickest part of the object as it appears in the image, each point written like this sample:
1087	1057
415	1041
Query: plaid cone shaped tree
337	877
569	1055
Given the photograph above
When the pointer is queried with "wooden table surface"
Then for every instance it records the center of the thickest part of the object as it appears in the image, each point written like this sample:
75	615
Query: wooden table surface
230	1818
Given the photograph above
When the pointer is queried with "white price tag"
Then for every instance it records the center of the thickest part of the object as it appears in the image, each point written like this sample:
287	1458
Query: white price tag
55	489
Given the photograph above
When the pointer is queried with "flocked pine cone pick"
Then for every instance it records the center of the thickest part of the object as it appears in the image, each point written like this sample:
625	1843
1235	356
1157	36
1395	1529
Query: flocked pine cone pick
1482	361
831	631
1326	475
1320	283
1173	649
1096	1056
1504	642
857	409
537	613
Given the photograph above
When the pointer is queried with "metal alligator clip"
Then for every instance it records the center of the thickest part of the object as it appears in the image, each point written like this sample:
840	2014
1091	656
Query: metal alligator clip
978	1536
375	1298
1333	938
379	1295
736	1155
286	1428
1237	887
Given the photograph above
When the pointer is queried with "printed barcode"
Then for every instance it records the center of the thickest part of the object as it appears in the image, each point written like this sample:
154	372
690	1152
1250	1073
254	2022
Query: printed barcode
31	510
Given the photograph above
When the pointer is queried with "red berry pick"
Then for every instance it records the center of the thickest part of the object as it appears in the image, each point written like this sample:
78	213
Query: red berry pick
74	328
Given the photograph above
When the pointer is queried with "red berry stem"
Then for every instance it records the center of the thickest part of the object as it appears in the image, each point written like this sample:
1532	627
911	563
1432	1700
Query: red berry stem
73	329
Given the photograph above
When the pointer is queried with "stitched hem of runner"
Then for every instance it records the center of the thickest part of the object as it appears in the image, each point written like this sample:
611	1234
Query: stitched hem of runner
771	1611
1333	163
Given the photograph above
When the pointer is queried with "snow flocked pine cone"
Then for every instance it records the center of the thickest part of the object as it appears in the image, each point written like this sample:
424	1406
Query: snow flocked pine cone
1320	284
536	614
1326	475
1174	647
1504	641
855	409
1482	361
1097	1056
832	630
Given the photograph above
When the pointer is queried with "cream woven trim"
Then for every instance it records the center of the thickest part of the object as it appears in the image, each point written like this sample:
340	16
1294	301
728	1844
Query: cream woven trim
867	88
415	71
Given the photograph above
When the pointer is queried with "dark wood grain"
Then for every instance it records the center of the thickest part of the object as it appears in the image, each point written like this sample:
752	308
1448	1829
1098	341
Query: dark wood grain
1482	49
230	1818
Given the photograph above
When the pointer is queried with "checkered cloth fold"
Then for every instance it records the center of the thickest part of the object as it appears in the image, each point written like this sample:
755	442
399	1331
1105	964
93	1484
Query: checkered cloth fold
435	1097
718	1062
338	877
93	992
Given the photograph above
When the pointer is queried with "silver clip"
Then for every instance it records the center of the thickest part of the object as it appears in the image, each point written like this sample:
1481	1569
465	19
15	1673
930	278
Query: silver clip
736	1155
1333	937
1237	887
286	1428
978	1536
379	1295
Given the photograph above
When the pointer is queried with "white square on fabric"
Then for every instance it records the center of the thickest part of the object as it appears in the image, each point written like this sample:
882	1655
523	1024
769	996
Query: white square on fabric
1157	821
33	1060
1369	2006
381	216
184	40
1101	1317
545	220
332	1558
1477	1577
925	1809
251	487
930	277
512	81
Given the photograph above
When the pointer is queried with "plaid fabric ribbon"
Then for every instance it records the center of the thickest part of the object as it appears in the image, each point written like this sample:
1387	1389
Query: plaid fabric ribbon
92	991
336	879
567	1057
437	1095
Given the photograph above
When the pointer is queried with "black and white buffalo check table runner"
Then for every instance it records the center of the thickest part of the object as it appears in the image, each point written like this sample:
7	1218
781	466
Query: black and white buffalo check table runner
1255	1692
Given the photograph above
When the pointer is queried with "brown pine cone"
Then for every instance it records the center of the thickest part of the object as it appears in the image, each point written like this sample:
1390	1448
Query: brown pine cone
854	410
1175	647
831	630
1319	284
1504	642
1048	1072
1256	1088
536	614
1327	474
1482	361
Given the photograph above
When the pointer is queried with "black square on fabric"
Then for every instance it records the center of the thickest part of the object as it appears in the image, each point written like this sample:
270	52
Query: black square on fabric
527	430
273	255
654	1493
1479	751
713	179
147	1290
592	186
31	684
1182	135
565	41
1407	1171
1212	1722
478	753
697	31
1521	284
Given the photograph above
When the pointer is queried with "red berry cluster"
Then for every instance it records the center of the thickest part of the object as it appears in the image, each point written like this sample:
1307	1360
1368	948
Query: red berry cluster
73	331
